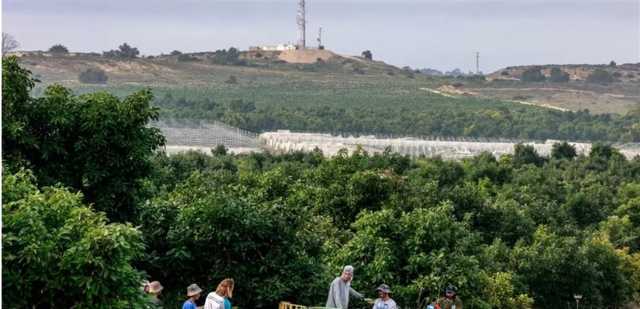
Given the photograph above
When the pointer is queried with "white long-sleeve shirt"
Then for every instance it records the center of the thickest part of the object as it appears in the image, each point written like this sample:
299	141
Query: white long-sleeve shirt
339	292
214	301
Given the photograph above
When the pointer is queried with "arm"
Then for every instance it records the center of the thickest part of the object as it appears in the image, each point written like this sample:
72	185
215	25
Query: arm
355	293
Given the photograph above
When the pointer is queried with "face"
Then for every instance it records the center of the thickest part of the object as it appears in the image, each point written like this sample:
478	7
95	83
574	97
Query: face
346	276
450	294
382	294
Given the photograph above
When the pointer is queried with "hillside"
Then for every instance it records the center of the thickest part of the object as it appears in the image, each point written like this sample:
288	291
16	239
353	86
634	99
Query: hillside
620	96
260	92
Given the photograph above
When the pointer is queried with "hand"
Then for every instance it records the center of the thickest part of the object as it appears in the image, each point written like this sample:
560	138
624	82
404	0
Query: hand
369	301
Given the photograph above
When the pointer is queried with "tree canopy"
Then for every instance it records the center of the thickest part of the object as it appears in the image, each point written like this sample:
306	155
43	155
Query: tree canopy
60	253
95	143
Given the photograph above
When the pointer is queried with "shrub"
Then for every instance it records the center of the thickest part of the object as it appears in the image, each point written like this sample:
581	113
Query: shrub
176	53
124	51
367	55
93	76
186	58
58	49
228	57
60	253
600	76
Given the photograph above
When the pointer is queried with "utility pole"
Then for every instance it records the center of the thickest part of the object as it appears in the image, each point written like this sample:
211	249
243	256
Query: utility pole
320	38
478	63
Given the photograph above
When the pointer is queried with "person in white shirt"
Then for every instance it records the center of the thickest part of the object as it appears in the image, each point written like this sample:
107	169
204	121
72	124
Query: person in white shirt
340	290
384	300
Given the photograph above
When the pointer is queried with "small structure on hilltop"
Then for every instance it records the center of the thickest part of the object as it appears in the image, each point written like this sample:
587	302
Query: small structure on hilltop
279	47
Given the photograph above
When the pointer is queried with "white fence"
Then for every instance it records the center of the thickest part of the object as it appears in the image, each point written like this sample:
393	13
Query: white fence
285	141
207	135
202	136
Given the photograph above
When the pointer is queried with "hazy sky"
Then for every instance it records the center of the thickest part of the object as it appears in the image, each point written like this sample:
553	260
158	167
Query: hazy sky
436	34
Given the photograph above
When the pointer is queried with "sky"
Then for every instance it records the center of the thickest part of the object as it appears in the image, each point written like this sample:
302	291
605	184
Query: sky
442	35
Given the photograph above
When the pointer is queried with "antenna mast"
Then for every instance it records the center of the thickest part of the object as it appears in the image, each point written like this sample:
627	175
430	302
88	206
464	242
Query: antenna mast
320	38
478	63
302	24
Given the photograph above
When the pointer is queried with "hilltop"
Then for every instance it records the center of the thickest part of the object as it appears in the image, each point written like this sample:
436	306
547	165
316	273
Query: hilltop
620	95
192	69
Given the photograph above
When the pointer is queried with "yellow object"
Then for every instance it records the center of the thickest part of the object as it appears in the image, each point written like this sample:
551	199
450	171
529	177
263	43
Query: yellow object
287	305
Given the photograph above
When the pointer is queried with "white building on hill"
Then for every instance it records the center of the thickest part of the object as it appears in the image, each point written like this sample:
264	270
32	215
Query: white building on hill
279	47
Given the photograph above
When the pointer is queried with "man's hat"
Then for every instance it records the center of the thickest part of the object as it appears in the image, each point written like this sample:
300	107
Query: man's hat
384	288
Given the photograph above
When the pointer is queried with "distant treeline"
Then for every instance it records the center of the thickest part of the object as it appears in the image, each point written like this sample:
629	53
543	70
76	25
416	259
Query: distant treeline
415	120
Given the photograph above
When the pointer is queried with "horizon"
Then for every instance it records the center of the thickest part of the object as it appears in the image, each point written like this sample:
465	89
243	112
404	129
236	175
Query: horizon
425	34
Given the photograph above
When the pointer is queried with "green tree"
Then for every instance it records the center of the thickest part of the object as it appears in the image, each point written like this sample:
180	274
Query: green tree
563	150
267	245
60	253
17	83
58	49
367	55
95	143
124	51
526	154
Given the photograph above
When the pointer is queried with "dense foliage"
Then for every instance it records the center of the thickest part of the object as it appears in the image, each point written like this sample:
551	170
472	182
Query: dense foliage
60	253
511	232
519	231
476	118
95	143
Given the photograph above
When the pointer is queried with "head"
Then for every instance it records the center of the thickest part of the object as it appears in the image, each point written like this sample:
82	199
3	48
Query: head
225	288
450	292
347	273
154	288
383	291
193	291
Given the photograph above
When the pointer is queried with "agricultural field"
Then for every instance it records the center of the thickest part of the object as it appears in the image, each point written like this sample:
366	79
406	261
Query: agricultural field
339	94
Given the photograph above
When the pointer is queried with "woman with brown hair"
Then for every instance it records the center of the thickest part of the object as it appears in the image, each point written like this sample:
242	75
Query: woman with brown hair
220	298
